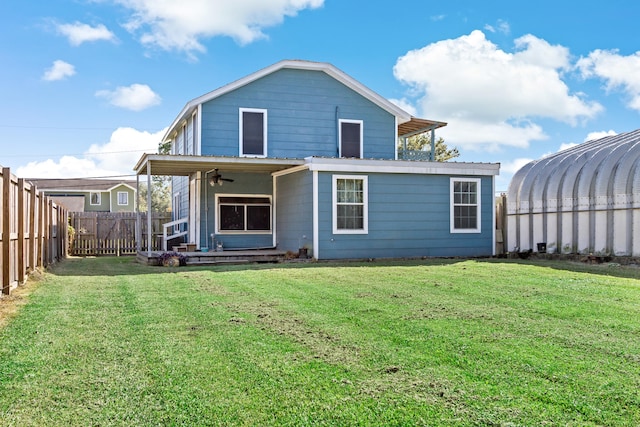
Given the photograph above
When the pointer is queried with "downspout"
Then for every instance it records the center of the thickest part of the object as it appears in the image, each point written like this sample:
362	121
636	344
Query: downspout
337	132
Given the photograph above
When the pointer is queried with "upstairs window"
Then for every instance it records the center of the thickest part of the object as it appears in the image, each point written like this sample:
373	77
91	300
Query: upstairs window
350	206
240	214
95	198
351	138
123	198
465	205
253	132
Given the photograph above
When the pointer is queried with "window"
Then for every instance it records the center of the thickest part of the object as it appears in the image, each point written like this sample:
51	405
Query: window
123	198
351	138
350	206
253	132
465	205
240	214
95	198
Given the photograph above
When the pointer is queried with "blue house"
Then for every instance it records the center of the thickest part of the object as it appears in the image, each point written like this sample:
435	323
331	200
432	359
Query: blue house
300	155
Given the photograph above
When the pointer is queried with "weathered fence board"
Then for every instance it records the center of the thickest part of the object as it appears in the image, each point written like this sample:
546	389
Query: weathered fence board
32	231
107	233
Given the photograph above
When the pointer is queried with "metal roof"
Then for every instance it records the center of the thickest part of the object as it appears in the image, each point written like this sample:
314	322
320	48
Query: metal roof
598	173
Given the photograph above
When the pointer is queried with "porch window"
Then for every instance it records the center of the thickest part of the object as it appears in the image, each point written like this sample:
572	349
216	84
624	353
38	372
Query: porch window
95	198
253	132
351	138
350	204
240	214
465	205
123	198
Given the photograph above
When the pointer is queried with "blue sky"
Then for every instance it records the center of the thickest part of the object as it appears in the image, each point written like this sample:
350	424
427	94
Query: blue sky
90	85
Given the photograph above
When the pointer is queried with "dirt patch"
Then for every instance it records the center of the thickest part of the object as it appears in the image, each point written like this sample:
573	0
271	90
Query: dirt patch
10	304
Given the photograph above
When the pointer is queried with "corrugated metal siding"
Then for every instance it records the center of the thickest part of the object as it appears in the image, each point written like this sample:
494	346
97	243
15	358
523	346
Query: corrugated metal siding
295	212
408	217
582	200
302	117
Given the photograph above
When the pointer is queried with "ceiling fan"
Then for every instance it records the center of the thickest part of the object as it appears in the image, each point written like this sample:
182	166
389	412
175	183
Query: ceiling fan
216	178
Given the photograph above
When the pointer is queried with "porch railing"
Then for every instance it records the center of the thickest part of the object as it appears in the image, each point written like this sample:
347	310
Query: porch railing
419	155
176	231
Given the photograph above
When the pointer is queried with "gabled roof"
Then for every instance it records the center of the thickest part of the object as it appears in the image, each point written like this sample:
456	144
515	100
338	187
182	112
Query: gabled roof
413	124
79	184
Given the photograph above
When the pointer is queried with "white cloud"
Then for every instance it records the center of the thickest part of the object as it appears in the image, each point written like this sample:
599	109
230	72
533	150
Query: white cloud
567	145
501	26
406	105
59	70
136	97
173	25
619	72
78	33
116	157
601	134
490	97
514	165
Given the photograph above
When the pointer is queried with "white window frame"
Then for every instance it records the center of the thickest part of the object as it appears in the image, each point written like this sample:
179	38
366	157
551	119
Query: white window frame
177	201
264	131
361	123
98	198
245	231
478	205
126	198
365	205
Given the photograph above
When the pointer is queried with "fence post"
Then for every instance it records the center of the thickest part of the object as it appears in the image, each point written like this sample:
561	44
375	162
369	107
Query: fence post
5	215
32	228
21	253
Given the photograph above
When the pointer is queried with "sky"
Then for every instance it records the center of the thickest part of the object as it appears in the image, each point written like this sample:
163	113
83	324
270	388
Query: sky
88	86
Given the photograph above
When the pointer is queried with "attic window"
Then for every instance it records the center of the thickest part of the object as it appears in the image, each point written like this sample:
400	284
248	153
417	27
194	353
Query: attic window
351	138
253	132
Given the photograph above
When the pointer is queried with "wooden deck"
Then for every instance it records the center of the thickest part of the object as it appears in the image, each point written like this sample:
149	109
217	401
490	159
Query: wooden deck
221	257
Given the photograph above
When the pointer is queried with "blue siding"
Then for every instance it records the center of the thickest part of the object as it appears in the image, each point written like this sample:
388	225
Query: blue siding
254	184
408	217
303	109
295	212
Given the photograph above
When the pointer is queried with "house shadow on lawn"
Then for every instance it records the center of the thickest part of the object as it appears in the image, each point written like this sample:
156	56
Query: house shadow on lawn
620	267
127	265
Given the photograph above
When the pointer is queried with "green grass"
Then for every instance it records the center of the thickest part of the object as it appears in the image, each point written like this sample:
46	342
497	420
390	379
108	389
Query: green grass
439	342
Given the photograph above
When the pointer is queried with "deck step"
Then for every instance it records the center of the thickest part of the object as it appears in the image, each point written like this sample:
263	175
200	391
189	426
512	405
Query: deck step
212	261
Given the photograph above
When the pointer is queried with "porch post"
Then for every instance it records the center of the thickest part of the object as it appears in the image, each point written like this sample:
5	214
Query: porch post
433	144
149	230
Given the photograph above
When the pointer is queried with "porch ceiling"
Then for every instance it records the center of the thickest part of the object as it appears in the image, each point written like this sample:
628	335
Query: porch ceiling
416	126
174	165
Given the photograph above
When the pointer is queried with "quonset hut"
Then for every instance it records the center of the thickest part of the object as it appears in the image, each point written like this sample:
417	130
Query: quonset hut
582	200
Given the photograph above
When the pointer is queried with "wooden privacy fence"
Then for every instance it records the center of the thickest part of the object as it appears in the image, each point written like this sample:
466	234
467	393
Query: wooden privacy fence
110	233
33	230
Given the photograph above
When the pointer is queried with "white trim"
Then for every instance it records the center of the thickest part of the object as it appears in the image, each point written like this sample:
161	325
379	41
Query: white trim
264	131
478	205
401	166
274	223
493	215
316	216
118	193
290	171
365	204
340	122
198	147
227	232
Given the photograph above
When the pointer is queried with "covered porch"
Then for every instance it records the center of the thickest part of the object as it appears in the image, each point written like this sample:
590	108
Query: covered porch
205	175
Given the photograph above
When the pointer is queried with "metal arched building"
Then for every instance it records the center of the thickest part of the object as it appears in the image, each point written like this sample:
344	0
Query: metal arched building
582	200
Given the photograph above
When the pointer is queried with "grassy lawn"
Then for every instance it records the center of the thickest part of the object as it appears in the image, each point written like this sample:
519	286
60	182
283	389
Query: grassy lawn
439	342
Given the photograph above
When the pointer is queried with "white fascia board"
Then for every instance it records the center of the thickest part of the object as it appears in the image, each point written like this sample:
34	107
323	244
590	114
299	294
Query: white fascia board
121	185
400	166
